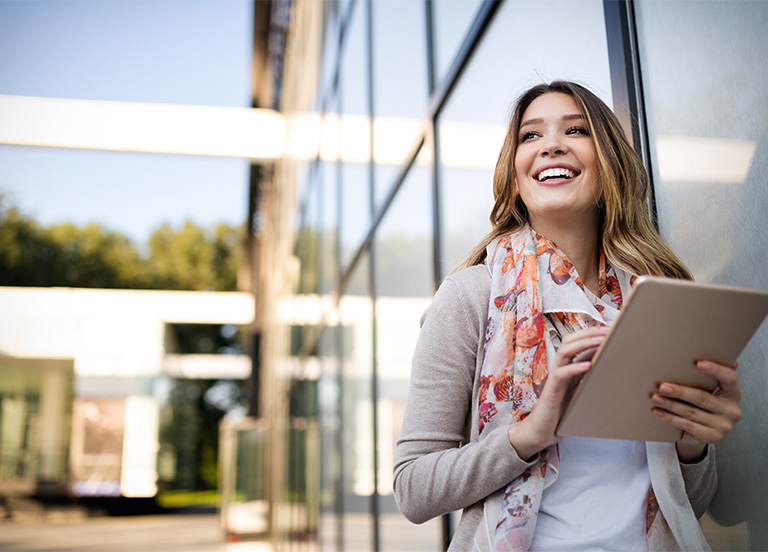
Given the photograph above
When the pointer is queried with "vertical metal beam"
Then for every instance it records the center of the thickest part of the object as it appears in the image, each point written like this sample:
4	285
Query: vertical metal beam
437	270
372	291
627	82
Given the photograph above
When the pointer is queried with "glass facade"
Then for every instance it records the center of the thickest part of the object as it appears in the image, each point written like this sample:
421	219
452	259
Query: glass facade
412	100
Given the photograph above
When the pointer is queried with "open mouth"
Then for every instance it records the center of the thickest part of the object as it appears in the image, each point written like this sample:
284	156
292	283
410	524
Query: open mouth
555	174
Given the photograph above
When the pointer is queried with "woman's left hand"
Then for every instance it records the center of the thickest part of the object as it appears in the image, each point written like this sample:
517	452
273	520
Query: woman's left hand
704	417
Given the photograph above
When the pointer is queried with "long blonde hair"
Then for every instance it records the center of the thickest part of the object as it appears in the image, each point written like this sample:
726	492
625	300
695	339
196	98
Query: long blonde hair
629	238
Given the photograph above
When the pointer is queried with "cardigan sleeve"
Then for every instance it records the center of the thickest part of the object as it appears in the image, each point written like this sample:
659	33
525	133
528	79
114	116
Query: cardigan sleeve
437	470
700	481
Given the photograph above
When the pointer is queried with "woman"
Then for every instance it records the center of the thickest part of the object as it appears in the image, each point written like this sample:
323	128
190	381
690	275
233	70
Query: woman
570	233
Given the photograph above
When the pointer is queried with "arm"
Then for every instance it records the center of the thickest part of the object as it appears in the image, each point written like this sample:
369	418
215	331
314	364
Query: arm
433	475
700	480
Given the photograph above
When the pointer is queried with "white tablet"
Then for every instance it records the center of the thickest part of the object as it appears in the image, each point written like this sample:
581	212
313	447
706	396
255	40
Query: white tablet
664	327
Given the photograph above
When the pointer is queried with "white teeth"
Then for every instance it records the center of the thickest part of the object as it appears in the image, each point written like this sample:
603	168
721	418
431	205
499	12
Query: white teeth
555	173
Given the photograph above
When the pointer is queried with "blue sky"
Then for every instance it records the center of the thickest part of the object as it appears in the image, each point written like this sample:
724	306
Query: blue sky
159	51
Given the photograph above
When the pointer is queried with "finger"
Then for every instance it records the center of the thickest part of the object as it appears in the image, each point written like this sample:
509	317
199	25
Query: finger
692	429
561	381
578	342
703	424
718	404
726	376
593	331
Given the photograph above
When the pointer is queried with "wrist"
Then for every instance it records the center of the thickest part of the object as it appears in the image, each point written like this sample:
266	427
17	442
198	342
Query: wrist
525	444
690	453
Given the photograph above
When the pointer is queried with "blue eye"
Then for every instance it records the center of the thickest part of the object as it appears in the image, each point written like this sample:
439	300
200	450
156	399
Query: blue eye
577	130
527	136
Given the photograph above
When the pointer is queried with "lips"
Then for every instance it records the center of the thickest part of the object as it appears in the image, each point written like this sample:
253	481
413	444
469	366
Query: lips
560	172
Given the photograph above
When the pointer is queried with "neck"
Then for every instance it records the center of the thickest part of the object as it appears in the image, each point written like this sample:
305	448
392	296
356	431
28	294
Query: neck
579	241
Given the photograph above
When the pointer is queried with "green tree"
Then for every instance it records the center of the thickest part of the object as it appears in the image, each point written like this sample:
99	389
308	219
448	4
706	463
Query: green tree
195	258
190	258
94	257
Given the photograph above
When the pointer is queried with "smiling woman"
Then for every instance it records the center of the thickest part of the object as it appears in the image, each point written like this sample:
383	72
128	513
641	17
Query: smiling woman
500	346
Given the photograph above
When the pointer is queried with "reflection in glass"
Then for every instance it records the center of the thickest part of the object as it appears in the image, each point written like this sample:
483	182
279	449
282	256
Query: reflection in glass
404	284
708	129
330	48
354	137
328	227
451	20
473	123
330	422
355	323
307	244
399	82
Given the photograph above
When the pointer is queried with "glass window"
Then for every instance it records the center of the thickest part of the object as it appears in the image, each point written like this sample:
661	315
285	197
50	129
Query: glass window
329	227
708	129
355	323
399	83
329	386
330	48
451	21
307	246
354	136
473	123
404	283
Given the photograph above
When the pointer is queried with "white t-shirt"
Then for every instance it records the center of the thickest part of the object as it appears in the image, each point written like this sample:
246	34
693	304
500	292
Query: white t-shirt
599	499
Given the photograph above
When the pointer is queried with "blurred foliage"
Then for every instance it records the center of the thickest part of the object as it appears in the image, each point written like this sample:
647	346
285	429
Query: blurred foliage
204	339
189	258
189	428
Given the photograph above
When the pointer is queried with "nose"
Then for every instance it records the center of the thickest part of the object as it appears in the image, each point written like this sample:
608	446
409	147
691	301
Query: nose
553	145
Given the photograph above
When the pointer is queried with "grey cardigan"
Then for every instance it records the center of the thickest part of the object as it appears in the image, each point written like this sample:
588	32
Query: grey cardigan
441	465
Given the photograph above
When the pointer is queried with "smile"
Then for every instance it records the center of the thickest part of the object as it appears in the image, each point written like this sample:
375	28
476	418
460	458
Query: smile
555	174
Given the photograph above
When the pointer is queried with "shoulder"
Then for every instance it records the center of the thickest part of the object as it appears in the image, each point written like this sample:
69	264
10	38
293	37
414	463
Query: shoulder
473	283
463	295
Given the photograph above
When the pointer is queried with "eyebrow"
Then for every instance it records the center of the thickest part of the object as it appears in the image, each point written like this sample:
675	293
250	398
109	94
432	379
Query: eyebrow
539	120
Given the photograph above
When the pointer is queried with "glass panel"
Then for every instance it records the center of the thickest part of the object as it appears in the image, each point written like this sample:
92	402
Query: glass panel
329	387
355	313
403	247
400	82
451	19
330	48
473	124
708	126
329	227
354	137
308	239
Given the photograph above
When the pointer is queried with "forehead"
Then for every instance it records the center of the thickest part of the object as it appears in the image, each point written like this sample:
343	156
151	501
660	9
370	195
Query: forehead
552	105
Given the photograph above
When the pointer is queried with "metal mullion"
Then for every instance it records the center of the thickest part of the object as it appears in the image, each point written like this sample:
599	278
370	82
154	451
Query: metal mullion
436	226
627	83
482	21
339	333
372	291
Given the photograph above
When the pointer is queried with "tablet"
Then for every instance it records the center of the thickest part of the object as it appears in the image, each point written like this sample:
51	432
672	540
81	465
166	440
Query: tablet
665	325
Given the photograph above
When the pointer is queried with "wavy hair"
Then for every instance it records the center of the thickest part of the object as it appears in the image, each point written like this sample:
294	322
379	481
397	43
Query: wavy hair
629	238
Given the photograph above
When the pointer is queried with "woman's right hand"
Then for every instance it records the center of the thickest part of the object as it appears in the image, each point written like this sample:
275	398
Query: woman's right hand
537	431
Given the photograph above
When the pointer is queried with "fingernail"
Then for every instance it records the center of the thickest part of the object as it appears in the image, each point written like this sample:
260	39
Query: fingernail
657	399
664	388
703	366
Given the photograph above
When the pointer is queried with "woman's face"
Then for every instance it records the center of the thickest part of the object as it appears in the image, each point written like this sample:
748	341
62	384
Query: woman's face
556	164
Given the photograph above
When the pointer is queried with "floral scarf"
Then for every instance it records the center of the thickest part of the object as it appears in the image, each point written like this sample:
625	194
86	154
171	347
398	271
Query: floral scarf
536	297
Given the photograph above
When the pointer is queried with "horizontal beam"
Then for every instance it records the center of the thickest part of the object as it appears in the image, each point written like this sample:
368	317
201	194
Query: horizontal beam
255	134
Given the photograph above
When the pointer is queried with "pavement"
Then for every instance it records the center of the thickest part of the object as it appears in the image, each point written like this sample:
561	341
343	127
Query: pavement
156	533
